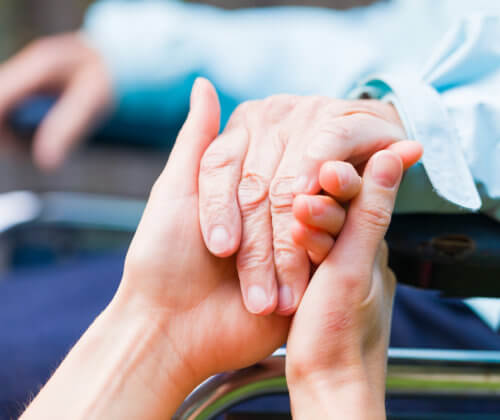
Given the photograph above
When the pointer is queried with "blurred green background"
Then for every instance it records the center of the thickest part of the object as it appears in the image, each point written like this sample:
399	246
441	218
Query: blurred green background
23	20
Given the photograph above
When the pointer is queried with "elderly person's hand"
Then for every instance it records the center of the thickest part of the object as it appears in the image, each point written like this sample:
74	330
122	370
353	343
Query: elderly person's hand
67	65
337	346
271	151
178	316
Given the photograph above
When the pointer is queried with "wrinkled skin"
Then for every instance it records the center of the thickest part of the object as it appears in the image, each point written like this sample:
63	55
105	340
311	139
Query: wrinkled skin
270	151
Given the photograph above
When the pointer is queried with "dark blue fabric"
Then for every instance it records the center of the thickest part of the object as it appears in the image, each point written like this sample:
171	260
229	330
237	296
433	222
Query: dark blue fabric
44	310
425	319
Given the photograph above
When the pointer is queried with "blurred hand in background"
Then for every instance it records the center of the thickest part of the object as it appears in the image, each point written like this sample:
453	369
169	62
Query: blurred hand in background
68	67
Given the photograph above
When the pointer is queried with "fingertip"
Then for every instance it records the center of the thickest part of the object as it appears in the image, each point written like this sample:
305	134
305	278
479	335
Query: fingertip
300	207
340	180
409	151
222	242
328	178
316	258
204	98
299	233
259	301
386	169
317	243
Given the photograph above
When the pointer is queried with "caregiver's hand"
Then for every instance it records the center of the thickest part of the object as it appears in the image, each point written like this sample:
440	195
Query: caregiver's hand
68	66
178	316
270	151
337	347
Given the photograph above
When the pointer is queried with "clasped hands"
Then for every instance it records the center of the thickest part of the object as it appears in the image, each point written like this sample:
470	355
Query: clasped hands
248	183
233	229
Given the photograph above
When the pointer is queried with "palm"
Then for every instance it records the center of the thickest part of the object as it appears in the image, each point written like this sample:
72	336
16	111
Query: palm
200	291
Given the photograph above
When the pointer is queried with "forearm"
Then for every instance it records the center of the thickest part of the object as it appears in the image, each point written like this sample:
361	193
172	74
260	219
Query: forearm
123	366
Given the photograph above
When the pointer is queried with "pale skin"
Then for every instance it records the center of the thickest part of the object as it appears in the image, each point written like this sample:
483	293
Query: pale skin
156	340
67	66
270	152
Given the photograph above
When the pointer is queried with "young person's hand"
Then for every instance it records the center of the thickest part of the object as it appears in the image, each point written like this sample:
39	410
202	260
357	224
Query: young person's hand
67	66
178	316
320	218
337	346
270	151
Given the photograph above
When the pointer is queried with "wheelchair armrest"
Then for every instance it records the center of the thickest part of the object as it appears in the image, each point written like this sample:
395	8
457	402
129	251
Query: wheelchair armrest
412	373
69	209
41	228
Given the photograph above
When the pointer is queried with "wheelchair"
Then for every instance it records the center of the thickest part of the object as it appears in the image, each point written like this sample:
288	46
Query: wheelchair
459	255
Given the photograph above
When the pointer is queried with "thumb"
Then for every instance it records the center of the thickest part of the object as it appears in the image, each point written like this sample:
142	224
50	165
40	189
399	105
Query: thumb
369	214
199	130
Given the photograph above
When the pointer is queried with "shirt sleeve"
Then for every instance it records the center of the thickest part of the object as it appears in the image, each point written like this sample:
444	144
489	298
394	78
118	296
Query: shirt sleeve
453	108
155	50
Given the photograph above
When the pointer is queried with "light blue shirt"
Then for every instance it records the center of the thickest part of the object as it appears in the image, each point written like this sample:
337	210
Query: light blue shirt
437	61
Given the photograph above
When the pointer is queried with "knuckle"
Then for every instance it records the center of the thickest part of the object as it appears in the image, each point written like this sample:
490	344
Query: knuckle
309	108
337	128
281	194
281	138
244	108
252	191
214	160
215	207
350	280
253	258
286	261
277	107
376	216
332	109
370	108
284	254
240	114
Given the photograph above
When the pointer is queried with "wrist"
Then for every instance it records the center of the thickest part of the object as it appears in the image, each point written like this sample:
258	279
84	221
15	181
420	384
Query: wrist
154	351
323	395
123	366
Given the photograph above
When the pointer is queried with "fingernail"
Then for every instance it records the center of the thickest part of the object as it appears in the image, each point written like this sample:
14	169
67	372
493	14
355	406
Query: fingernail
316	207
257	300
342	175
219	240
286	300
386	169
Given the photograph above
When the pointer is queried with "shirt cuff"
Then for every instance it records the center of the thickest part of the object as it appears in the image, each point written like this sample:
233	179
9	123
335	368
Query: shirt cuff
426	120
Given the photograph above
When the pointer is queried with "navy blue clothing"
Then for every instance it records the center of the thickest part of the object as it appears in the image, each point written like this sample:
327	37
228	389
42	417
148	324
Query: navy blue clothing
44	310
